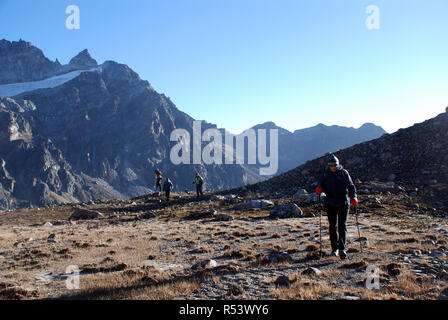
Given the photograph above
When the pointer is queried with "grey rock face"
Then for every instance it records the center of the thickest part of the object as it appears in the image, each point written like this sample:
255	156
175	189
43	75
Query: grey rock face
33	171
20	61
83	60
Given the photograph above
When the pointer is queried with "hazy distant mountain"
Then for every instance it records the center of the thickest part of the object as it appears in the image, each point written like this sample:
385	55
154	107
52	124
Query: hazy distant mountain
297	147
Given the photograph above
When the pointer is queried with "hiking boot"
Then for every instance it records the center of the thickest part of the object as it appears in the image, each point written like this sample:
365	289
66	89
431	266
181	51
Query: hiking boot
343	254
335	253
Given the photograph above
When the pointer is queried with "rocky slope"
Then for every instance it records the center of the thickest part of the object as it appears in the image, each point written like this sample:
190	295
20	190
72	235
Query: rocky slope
48	177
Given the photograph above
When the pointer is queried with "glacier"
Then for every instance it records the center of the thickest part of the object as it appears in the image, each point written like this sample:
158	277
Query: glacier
13	89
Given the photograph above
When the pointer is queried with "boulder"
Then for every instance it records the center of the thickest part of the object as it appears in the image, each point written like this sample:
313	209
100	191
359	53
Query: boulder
261	203
85	214
311	271
289	210
278	257
303	196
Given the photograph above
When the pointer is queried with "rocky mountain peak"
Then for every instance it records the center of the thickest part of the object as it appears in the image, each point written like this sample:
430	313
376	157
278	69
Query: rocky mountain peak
20	61
83	60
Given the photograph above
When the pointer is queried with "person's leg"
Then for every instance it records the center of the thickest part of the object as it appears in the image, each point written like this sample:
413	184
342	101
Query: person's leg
342	226
332	220
200	190
197	190
167	193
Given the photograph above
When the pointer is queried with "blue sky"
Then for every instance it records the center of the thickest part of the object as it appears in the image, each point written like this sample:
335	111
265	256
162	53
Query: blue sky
238	63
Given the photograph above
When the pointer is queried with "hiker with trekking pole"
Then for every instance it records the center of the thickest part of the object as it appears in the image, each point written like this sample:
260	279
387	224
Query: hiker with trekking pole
168	187
338	186
159	179
198	181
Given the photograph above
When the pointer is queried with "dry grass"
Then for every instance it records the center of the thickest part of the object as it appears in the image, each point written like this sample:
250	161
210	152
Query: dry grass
240	253
135	286
302	288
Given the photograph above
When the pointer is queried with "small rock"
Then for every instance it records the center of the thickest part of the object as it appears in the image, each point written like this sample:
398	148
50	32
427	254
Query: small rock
147	215
51	236
351	298
311	271
437	254
223	217
48	224
393	269
282	281
279	257
205	264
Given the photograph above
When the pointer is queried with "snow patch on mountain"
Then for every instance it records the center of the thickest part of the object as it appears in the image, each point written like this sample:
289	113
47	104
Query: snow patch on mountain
13	89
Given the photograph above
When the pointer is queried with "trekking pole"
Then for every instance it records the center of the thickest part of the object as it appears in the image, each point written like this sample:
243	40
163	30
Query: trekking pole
357	225
320	230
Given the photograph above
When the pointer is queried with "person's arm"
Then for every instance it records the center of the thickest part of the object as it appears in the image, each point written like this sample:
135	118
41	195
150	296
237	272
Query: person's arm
350	185
320	187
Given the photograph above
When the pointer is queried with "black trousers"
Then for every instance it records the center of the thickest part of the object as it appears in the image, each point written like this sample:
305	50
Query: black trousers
199	189
167	194
158	185
337	217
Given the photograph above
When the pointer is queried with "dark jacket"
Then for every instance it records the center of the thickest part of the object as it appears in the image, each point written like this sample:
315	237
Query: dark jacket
337	186
167	186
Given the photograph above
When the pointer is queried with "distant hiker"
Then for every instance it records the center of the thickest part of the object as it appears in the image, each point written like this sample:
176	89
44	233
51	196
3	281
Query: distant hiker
336	183
167	187
198	181
158	179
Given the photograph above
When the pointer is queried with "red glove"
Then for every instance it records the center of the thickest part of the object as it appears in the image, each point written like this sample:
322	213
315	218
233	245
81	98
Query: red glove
354	201
319	190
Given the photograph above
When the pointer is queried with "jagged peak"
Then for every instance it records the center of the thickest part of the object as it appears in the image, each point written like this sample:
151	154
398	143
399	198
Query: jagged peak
83	59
